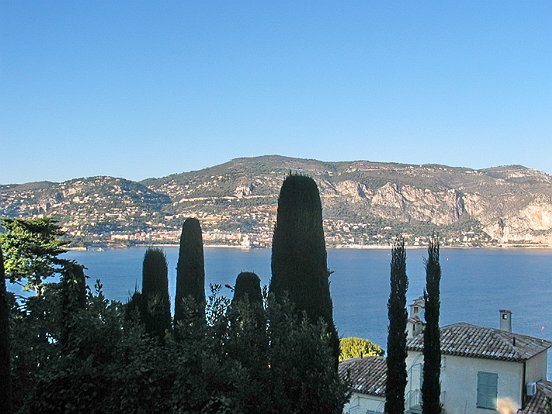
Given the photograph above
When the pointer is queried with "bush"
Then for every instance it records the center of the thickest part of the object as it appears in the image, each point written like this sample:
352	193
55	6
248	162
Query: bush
358	348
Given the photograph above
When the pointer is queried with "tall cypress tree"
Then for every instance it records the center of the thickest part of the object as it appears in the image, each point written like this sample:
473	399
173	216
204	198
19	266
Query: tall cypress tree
155	304
190	273
248	296
396	336
73	284
248	342
248	285
431	388
5	377
299	258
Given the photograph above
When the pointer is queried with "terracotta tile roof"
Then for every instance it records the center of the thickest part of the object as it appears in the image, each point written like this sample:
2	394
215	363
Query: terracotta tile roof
368	375
463	339
537	403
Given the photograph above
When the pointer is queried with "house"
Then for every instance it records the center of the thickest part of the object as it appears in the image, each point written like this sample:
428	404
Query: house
481	369
368	376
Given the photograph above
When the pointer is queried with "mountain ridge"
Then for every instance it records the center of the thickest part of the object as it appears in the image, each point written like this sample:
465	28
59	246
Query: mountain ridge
365	203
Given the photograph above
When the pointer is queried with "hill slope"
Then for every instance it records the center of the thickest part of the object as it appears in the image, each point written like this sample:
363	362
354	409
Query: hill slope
364	203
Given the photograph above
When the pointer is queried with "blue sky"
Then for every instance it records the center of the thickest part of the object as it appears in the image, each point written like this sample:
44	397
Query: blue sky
142	89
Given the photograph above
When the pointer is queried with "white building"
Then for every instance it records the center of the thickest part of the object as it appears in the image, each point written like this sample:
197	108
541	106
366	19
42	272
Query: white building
368	376
481	368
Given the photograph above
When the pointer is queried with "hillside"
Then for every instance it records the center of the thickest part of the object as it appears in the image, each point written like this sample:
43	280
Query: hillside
365	203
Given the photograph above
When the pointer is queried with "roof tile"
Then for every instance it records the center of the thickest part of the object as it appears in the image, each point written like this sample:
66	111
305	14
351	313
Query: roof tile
368	375
463	339
537	403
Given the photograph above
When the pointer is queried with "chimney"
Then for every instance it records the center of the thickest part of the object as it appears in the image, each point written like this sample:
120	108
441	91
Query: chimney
506	320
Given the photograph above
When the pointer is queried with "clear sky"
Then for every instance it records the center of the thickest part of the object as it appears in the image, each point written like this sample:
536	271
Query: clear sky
145	89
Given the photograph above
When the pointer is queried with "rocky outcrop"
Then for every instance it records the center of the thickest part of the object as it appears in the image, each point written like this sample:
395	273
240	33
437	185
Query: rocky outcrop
510	205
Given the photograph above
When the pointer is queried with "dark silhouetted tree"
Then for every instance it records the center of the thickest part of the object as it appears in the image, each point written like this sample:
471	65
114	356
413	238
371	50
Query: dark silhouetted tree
299	258
190	273
303	376
431	388
155	302
396	334
248	286
247	340
73	290
5	376
248	300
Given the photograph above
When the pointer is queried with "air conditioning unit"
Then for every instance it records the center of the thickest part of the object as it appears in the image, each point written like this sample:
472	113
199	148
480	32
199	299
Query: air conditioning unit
531	389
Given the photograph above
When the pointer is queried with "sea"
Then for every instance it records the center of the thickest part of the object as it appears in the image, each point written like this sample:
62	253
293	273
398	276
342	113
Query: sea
475	283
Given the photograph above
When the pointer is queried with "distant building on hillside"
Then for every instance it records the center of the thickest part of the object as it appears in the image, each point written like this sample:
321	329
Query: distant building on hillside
480	368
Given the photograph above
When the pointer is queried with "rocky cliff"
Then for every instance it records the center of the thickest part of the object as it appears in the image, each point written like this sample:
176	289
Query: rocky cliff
364	203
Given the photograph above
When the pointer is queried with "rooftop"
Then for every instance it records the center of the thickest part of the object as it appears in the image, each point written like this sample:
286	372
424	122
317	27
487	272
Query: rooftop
368	375
464	339
537	404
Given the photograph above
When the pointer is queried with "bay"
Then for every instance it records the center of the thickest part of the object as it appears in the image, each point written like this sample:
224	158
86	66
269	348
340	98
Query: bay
475	283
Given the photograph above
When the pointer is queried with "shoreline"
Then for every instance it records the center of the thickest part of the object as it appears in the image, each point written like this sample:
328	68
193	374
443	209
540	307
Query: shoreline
338	247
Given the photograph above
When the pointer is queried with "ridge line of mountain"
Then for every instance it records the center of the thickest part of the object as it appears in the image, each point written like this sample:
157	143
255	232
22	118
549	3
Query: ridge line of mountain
365	203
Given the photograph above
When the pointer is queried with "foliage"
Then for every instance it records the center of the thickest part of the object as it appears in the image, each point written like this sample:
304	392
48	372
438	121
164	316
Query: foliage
247	339
73	288
248	287
357	348
5	376
302	363
190	272
74	351
431	387
396	337
299	258
31	249
155	307
113	366
35	328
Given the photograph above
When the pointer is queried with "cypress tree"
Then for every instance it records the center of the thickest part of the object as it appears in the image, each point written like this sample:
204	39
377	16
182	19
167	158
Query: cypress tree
248	285
396	336
248	340
5	376
431	388
73	289
190	273
299	258
155	302
249	299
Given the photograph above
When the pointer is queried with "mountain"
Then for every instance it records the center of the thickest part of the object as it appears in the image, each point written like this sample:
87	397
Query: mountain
365	203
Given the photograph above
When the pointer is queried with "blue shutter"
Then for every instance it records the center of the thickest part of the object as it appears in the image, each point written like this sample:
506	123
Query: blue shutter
487	388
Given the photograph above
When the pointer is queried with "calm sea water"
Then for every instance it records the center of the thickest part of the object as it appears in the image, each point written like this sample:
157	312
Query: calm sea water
475	284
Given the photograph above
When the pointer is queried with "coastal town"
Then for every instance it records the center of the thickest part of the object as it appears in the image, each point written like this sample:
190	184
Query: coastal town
236	203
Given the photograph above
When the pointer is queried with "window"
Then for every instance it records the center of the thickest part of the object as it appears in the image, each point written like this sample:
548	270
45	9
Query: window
487	384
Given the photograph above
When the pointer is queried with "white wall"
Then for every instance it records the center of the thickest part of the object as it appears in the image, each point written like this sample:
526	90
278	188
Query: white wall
536	368
360	403
459	381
